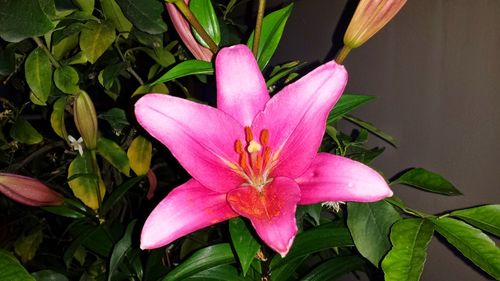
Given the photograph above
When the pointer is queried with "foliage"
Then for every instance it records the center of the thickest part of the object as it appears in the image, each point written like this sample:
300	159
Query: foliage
52	52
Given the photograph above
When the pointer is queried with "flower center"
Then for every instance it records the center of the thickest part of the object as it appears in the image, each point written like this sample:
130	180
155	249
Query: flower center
255	159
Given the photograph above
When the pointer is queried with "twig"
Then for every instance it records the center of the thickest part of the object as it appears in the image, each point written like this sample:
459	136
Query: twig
258	27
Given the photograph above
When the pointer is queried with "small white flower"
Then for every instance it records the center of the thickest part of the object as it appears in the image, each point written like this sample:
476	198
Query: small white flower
332	205
76	144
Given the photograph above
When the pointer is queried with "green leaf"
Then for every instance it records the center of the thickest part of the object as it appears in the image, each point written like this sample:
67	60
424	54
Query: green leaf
245	245
27	245
185	68
139	155
370	224
372	129
114	154
19	20
63	47
219	273
334	268
205	14
426	180
272	29
70	209
472	243
11	269
66	79
118	193
57	118
317	239
113	12
83	181
38	71
202	260
87	6
96	38
144	14
346	104
116	117
405	261
485	217
23	132
161	55
287	269
7	61
49	275
120	250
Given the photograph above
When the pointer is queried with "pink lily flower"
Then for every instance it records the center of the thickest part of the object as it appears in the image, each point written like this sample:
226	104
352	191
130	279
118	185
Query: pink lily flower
28	191
252	156
183	28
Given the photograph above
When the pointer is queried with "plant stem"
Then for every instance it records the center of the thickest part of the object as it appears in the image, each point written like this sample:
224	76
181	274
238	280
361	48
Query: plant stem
342	54
97	174
258	27
37	153
44	48
129	67
190	17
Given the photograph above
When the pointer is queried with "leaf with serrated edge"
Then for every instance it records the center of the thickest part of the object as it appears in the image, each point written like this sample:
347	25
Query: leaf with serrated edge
405	261
472	243
485	217
370	225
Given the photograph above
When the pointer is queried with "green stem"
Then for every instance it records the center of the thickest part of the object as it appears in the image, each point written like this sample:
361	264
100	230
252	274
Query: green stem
129	67
190	17
258	27
342	54
97	173
44	48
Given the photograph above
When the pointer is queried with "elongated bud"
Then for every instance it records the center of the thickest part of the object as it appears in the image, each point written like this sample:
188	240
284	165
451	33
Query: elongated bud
183	28
369	18
28	191
86	119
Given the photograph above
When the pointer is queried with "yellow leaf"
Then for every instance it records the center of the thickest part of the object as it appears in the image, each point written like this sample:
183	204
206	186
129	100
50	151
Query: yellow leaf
139	155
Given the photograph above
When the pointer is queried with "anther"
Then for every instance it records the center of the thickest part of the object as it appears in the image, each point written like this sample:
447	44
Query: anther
238	146
248	134
243	161
253	147
264	137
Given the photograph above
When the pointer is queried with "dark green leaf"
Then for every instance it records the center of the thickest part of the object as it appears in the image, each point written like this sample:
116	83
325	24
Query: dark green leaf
11	269
370	224
116	117
114	154
218	273
7	61
405	261
282	71
23	132
245	245
144	14
49	275
20	20
205	14
202	260
372	129
118	193
317	239
66	79
485	217
346	104
38	71
120	249
70	209
113	12
185	68
96	38
272	29
426	180
472	243
287	269
334	268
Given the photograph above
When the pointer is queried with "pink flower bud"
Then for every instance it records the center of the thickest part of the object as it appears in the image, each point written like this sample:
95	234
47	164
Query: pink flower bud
28	191
369	18
183	28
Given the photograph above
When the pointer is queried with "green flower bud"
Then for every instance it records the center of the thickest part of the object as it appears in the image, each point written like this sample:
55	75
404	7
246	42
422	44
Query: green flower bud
86	119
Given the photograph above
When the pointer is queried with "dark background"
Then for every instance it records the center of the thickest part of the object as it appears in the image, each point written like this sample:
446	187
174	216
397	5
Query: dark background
435	70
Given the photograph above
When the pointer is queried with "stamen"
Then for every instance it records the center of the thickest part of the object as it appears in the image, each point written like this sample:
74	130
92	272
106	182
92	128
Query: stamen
254	147
258	164
243	161
238	146
248	134
264	137
267	154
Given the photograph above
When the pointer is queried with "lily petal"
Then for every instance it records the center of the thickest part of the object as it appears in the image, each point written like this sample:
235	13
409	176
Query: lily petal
199	136
271	211
241	89
187	208
336	178
296	117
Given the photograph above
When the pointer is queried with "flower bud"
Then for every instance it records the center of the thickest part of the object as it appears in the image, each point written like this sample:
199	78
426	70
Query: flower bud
369	18
86	119
28	191
183	28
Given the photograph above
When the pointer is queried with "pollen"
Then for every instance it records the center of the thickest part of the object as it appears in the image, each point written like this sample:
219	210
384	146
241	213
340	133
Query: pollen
254	147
